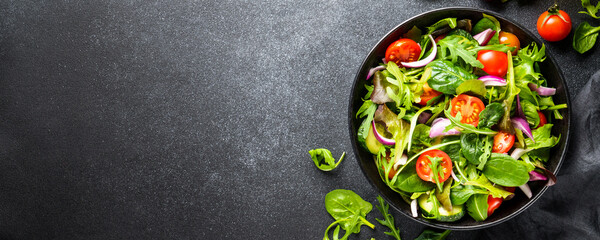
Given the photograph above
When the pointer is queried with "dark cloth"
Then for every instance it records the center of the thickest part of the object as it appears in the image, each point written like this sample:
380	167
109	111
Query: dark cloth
571	208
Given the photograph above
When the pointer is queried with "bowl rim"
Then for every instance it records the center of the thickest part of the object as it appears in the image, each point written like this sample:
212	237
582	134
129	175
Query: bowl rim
549	57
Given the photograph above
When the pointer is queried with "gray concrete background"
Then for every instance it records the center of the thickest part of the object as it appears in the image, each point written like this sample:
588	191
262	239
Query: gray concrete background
193	119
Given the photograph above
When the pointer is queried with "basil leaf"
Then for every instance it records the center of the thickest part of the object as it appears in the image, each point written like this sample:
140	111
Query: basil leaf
409	181
446	77
324	160
490	115
505	171
477	206
585	37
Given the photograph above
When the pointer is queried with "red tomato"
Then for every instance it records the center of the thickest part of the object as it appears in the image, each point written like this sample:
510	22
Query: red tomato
440	37
503	142
424	169
554	24
393	171
494	62
428	94
543	119
403	50
469	108
494	203
511	40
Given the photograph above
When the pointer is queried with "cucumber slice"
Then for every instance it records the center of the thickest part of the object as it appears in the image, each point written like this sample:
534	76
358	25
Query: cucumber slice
371	141
445	216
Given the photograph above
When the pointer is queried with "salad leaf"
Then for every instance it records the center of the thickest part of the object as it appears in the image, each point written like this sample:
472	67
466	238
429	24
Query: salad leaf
490	115
531	114
420	138
409	181
446	22
482	25
400	93
324	160
496	38
379	94
471	147
461	32
477	206
444	195
461	193
543	138
483	182
528	56
509	96
591	10
453	150
446	77
388	219
414	34
432	235
472	87
345	204
465	128
585	37
505	171
367	109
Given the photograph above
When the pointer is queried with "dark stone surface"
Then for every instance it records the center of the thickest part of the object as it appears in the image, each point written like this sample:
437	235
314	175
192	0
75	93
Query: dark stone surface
191	119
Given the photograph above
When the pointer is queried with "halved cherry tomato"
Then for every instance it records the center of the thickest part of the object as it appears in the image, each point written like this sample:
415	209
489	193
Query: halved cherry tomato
543	119
503	142
403	50
428	94
469	108
424	169
511	40
494	62
554	24
494	203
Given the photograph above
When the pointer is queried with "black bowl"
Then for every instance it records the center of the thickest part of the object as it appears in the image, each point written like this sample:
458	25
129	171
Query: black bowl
549	69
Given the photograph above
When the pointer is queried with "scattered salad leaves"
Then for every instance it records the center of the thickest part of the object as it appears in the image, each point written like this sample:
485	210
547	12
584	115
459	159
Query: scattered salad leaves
433	235
349	210
591	9
585	37
324	160
388	219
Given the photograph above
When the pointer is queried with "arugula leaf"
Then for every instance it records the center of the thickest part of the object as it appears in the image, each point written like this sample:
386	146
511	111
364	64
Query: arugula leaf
388	219
477	206
509	96
482	25
591	10
585	37
446	77
505	171
348	209
432	235
528	57
466	128
324	160
403	94
367	109
461	32
490	115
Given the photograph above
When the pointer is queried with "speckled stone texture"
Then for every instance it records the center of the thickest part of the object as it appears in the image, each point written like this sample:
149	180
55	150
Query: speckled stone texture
193	119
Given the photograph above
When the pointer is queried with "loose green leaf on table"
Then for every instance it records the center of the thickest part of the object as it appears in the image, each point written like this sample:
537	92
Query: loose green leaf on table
591	10
349	210
433	235
324	160
388	219
585	37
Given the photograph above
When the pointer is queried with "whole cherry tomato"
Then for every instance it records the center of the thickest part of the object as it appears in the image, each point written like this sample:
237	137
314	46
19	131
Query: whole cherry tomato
494	62
543	119
554	24
403	50
511	40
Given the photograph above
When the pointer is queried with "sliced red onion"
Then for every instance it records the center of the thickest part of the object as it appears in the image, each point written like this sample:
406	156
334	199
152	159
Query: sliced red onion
454	176
519	108
522	125
383	140
542	91
439	125
424	117
384	61
490	80
536	176
518	152
413	208
424	61
484	37
525	188
373	70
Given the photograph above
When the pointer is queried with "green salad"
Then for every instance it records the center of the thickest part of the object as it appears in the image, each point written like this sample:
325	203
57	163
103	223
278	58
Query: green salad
457	116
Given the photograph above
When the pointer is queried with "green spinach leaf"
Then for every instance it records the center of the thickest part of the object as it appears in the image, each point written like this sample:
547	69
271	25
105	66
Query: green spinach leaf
531	114
477	206
543	138
345	204
409	181
472	87
505	171
585	37
446	77
483	182
446	22
461	193
471	147
490	115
